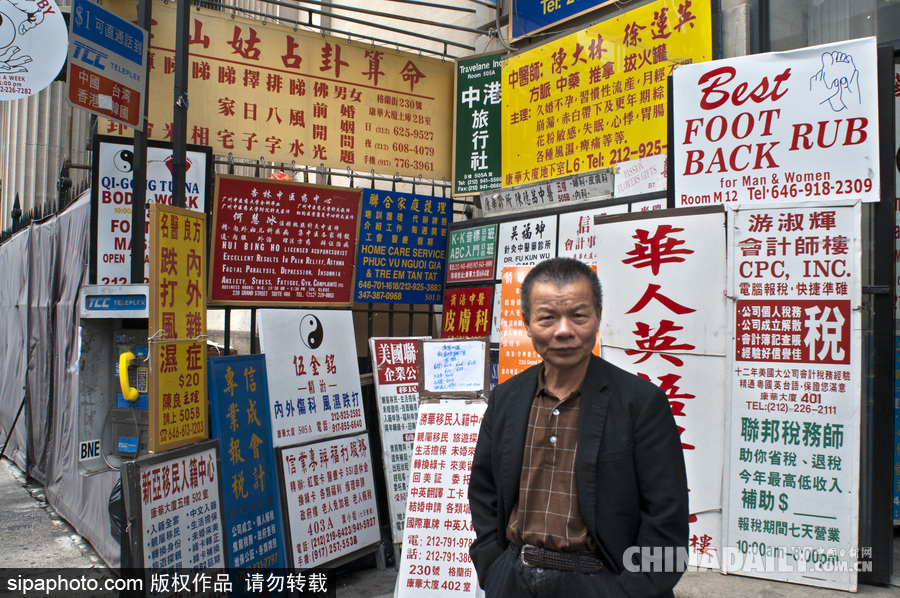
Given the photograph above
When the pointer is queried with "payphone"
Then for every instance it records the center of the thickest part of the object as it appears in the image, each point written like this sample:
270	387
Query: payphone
113	376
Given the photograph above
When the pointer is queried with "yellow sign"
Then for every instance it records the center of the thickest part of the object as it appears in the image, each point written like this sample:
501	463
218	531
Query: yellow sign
599	96
268	92
178	395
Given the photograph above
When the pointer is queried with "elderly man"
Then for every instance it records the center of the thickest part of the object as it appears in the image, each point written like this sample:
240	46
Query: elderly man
577	461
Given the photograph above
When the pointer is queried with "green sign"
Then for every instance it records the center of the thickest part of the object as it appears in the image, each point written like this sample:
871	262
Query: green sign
478	107
471	254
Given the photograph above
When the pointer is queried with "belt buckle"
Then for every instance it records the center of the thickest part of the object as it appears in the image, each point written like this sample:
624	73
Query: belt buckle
522	555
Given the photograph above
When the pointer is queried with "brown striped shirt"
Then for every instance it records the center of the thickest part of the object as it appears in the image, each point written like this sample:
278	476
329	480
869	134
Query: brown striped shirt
547	513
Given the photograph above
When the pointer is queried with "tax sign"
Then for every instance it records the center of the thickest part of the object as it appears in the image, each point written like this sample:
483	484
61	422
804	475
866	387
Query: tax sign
778	127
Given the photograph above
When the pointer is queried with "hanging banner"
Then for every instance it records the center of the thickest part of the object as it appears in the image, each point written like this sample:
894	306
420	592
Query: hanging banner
177	328
472	253
438	531
577	238
599	96
476	145
786	126
402	247
282	243
395	364
330	500
111	199
264	91
313	374
467	312
35	43
526	242
792	480
670	333
239	414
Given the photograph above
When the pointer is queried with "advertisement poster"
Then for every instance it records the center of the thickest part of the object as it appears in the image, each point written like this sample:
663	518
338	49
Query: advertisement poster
786	126
792	479
239	420
517	354
313	374
330	500
265	91
438	532
526	242
467	312
282	243
402	247
472	254
177	328
111	199
599	96
396	368
476	151
35	43
671	333
577	237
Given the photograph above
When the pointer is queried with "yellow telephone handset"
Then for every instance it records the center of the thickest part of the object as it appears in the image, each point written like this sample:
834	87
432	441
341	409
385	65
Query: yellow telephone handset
128	392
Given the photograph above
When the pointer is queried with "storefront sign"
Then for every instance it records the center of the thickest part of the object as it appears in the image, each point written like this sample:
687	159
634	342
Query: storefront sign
478	115
282	243
577	238
402	247
395	364
526	242
598	97
793	468
439	530
264	91
330	502
669	332
593	185
472	253
177	327
467	312
787	126
238	400
313	374
111	199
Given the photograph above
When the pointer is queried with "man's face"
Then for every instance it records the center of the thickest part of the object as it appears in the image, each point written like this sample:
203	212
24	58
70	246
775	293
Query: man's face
563	323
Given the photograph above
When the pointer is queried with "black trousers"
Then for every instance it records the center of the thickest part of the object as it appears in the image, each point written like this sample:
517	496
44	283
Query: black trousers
507	577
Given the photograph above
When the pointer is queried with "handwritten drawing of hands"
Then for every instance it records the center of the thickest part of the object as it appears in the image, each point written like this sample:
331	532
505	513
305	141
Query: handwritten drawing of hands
10	63
837	82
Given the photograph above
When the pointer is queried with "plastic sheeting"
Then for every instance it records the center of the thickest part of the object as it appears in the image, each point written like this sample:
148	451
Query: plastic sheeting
43	268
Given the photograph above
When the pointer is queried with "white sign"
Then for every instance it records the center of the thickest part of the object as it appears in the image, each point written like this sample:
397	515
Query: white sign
113	189
644	175
784	126
396	370
792	478
526	242
454	366
33	46
435	561
330	502
576	233
670	332
314	389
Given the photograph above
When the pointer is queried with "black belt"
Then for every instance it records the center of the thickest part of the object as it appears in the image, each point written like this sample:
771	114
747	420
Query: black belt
577	562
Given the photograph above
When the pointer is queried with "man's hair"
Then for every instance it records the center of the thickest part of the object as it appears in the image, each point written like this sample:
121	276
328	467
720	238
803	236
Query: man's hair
560	271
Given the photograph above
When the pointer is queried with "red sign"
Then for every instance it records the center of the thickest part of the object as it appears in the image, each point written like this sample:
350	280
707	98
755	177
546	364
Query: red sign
283	243
467	312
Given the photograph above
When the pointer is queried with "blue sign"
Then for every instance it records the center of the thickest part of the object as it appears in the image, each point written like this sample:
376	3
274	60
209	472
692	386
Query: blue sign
402	249
106	29
239	418
115	302
529	16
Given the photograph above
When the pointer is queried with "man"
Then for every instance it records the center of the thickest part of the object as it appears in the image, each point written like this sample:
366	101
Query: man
577	461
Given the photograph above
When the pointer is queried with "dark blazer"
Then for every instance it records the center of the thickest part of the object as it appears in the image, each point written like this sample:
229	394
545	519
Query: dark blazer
629	467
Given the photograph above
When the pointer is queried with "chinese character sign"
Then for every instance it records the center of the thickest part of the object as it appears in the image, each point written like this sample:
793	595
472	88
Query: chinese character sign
793	467
811	133
663	317
402	247
177	398
517	353
439	531
282	243
314	389
471	254
264	91
577	239
395	363
467	312
239	408
330	503
598	97
526	242
477	141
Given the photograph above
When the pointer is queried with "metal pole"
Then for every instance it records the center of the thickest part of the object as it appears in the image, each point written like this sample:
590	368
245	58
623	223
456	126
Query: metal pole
139	168
180	108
